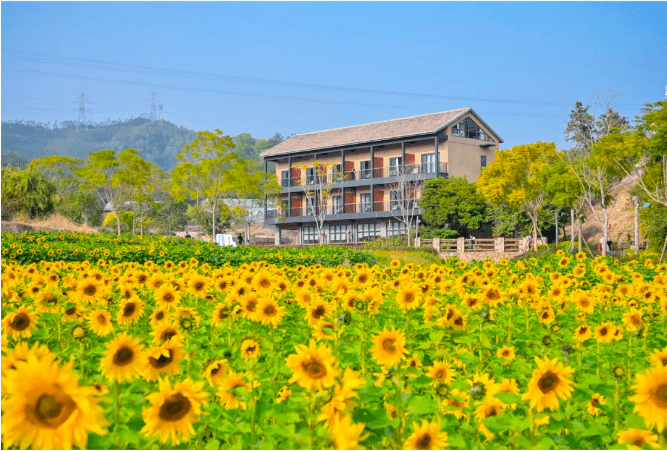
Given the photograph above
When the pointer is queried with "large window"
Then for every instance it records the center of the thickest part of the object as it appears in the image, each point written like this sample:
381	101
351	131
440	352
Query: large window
311	206
395	166
365	202
368	231
337	233
366	169
337	173
284	208
284	178
310	235
467	128
396	228
337	205
311	175
428	163
396	197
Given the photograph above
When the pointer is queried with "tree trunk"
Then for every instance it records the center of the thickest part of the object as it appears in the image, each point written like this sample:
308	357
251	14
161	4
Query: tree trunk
213	225
606	232
572	229
116	213
662	254
142	227
134	223
246	230
579	231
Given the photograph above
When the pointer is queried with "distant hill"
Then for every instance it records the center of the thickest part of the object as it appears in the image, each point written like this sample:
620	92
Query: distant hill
158	141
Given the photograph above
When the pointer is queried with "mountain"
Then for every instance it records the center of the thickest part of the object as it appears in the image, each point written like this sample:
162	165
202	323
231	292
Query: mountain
158	141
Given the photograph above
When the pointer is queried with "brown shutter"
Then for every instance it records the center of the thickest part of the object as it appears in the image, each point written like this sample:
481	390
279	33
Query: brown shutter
378	200
377	166
350	201
409	158
296	206
349	170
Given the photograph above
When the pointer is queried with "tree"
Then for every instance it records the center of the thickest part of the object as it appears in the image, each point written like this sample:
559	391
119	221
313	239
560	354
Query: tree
318	193
405	190
453	205
201	214
585	130
169	216
26	192
515	177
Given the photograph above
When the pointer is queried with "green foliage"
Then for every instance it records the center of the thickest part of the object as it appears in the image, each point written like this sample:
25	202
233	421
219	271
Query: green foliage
653	225
170	216
202	215
454	206
81	206
27	193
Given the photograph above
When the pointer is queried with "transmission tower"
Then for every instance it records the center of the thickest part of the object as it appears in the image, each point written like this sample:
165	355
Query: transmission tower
161	111
82	109
153	115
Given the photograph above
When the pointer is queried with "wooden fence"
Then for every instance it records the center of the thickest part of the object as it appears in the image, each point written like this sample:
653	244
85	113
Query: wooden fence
488	245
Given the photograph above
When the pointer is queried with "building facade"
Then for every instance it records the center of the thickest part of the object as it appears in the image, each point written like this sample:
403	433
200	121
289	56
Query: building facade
368	171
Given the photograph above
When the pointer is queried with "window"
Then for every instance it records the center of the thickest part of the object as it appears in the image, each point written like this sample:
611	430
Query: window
337	173
396	198
311	206
483	161
337	205
310	175
337	233
467	128
284	208
366	231
310	235
395	166
365	201
366	169
284	178
428	163
396	228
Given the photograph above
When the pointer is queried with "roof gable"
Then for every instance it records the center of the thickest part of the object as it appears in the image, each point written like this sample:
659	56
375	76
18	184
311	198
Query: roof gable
368	133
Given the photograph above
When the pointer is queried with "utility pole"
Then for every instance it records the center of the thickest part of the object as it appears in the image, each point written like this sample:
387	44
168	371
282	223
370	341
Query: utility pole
161	111
635	200
153	115
82	109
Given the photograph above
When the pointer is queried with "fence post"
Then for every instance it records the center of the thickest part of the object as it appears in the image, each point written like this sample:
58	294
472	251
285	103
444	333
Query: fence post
500	245
418	242
436	244
461	245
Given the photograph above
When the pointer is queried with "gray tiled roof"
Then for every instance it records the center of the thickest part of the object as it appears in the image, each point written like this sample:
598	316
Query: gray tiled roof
367	133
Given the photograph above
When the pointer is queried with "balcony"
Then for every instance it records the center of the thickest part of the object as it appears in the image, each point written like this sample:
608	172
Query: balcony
364	176
359	210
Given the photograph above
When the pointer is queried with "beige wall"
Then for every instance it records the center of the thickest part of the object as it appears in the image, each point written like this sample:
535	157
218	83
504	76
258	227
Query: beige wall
464	154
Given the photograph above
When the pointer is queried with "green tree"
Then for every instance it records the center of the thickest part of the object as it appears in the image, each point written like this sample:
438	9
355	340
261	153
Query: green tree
453	205
564	191
27	193
201	214
516	177
169	216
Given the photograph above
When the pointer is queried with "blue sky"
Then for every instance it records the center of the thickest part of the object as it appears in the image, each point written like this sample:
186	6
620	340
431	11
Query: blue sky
300	67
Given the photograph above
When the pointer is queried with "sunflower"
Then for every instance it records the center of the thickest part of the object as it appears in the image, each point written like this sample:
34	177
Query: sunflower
659	358
582	333
47	301
215	372
249	304
638	439
304	297
167	296
198	285
312	367
442	372
159	316
318	311
596	400
73	312
388	347
651	397
490	407
174	410
548	384
167	332
162	360
262	282
45	407
604	333
506	353
325	330
250	349
413	362
491	295
20	323
123	359
426	436
407	298
130	310
283	394
547	316
632	320
231	400
221	313
89	290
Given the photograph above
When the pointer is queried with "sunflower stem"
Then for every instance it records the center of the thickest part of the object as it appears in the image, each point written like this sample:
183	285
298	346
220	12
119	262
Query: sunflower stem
509	326
532	428
597	371
117	405
617	398
60	343
83	369
399	413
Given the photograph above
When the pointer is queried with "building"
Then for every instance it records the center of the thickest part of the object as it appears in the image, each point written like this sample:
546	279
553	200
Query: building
367	168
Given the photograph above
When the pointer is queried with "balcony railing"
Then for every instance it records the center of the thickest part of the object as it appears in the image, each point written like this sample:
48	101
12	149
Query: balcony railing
395	206
366	174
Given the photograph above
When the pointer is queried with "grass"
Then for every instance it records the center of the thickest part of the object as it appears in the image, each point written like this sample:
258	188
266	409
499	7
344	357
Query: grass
417	257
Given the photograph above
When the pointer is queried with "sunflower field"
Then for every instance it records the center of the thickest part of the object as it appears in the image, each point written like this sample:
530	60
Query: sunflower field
564	352
35	247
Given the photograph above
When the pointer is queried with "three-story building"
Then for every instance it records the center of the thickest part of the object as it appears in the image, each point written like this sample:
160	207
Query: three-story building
364	165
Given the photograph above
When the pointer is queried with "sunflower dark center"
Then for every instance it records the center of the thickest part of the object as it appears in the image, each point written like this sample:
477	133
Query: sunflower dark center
102	319
71	311
604	331
20	322
363	278
639	443
250	349
159	315
265	283
222	314
270	310
90	290
548	382
661	396
440	375
583	330
129	309
124	356
161	361
314	369
492	412
459	321
319	312
250	306
199	286
52	410
175	407
215	370
167	297
424	441
389	345
595	402
409	297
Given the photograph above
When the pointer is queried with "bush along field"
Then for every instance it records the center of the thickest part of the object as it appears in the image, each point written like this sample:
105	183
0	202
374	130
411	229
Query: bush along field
34	247
558	353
